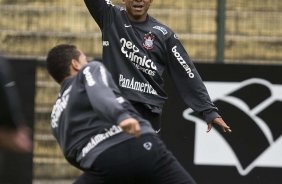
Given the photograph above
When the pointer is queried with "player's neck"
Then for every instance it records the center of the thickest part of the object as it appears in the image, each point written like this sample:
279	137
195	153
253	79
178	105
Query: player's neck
137	19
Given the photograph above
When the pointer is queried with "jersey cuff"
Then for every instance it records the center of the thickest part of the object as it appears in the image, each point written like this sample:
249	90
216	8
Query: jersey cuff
122	117
210	116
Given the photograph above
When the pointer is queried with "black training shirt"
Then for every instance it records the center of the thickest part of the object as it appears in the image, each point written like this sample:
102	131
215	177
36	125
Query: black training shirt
137	54
86	115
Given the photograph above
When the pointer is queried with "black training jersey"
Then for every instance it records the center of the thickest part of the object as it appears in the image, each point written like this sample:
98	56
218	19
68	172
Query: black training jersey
86	115
137	54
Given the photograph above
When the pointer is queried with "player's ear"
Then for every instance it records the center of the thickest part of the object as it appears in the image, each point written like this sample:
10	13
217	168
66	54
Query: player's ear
75	64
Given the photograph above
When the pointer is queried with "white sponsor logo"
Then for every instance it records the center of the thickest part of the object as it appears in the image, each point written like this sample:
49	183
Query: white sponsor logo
88	76
162	29
94	141
104	75
183	62
109	2
214	149
125	25
59	107
106	43
141	62
135	85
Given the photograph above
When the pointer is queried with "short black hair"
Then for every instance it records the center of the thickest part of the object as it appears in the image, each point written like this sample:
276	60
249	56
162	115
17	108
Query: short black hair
59	59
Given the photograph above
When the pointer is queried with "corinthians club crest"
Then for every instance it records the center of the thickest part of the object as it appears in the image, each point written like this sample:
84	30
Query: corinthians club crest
149	41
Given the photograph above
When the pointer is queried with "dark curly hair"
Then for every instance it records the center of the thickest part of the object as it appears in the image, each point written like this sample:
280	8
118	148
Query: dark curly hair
59	59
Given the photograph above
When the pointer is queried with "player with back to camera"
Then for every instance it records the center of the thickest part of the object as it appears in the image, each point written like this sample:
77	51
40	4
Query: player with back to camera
100	132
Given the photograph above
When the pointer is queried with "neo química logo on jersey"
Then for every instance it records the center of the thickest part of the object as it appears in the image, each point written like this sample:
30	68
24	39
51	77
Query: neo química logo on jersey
253	110
142	63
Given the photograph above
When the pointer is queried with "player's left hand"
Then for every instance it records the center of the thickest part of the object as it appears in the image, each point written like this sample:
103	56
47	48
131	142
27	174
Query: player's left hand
131	126
220	122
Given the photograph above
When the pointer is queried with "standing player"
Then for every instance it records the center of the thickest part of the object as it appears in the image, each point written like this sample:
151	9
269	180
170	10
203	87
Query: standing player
96	127
137	49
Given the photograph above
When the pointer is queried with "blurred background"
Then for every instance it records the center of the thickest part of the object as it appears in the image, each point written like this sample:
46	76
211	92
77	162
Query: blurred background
212	31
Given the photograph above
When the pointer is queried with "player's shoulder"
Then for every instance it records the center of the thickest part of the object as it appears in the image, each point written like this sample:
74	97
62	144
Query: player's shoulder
90	65
95	63
160	27
89	69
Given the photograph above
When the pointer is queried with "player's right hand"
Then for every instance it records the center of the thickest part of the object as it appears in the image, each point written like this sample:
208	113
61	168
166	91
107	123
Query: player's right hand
131	126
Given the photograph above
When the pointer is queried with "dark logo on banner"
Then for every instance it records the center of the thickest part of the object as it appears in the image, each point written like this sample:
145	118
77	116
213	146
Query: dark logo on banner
253	108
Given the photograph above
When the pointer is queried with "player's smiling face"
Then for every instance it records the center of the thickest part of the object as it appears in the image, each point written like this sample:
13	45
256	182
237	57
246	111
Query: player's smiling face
137	9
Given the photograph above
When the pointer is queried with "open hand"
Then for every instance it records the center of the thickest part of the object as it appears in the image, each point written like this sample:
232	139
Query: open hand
220	122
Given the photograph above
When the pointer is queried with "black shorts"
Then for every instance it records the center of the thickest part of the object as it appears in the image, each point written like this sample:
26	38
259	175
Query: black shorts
143	160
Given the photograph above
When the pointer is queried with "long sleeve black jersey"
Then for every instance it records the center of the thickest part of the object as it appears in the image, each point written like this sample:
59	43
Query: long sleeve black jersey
10	107
137	54
86	115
